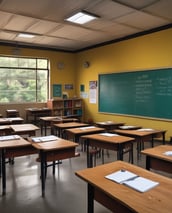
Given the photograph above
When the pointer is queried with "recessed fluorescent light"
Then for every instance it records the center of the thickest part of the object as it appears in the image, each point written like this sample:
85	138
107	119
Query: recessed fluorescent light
26	35
82	17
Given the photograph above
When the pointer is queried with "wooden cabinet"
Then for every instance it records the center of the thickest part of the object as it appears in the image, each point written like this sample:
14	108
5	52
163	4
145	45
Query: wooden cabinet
66	107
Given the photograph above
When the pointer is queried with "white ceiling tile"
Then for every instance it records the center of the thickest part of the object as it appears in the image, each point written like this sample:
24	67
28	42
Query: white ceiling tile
42	27
7	35
69	31
142	20
137	4
109	9
118	18
19	23
31	8
4	18
162	8
120	30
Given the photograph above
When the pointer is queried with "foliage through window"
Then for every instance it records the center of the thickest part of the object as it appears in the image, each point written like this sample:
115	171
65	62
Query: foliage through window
23	79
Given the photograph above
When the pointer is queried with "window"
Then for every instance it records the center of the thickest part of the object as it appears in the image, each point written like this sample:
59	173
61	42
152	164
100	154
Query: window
23	79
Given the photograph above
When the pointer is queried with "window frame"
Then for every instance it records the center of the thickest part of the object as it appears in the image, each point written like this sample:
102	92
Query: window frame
36	69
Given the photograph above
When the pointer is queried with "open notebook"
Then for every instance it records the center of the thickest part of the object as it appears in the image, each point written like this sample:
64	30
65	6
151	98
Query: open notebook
132	180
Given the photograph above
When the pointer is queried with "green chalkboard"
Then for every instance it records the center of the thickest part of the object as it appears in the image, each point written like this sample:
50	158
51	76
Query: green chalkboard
142	93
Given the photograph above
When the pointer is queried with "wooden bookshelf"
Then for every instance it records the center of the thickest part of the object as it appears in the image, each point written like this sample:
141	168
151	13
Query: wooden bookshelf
67	107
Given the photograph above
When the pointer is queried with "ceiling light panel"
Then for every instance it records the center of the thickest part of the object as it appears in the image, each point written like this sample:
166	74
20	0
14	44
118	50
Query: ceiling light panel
81	18
25	35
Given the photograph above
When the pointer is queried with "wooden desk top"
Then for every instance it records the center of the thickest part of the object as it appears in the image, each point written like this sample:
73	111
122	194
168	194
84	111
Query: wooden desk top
57	118
140	132
24	127
4	121
109	139
156	200
3	127
158	152
10	120
70	125
85	130
37	109
14	143
50	118
54	145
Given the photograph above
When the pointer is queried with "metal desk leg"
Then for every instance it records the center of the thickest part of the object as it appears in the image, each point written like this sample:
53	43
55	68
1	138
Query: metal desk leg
120	152
90	204
131	153
3	172
43	170
0	163
89	156
147	162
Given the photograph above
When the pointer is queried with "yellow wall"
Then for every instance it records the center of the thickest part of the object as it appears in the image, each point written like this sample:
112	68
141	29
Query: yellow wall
145	52
58	76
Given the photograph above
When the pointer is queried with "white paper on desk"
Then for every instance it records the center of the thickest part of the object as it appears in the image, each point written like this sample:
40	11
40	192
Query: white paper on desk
44	138
87	127
9	137
121	176
126	127
168	153
108	134
140	130
141	184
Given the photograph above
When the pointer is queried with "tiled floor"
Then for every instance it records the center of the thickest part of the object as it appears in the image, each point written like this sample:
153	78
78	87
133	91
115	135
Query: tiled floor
65	193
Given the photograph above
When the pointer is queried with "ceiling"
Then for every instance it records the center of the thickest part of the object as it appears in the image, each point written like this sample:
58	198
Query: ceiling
45	18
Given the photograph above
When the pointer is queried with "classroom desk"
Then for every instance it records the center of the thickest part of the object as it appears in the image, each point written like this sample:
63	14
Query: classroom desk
6	121
11	149
50	120
76	133
16	120
120	198
109	125
24	129
5	130
53	151
117	143
143	135
62	126
36	113
156	159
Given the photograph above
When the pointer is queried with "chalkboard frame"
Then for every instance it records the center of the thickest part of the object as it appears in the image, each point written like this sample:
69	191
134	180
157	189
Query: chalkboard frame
157	103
